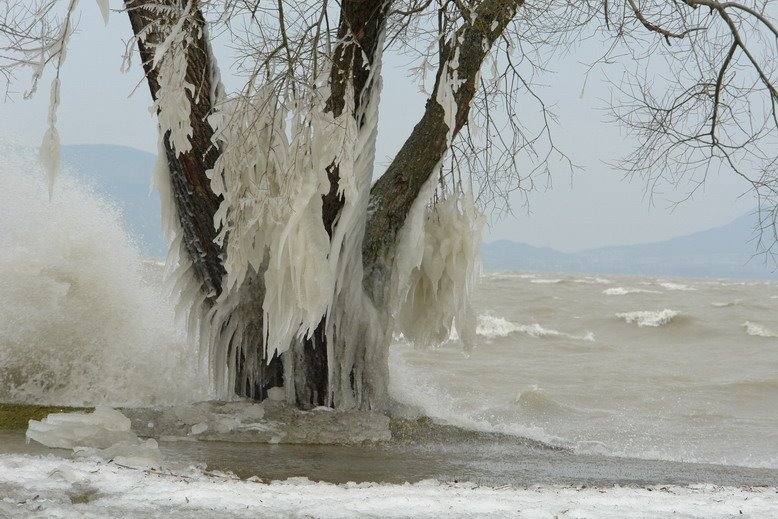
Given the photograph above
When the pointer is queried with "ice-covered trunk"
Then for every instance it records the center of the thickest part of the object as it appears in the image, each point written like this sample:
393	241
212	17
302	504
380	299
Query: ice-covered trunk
355	72
191	224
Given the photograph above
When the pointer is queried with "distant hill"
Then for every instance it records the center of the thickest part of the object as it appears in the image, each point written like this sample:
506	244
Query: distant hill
123	175
726	251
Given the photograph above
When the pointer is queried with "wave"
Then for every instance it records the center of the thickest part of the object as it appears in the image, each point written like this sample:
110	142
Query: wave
594	281
492	327
543	281
536	401
649	318
507	275
758	330
77	312
676	286
726	304
622	291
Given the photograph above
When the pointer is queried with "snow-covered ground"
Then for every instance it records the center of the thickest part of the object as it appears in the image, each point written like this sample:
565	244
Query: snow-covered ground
89	488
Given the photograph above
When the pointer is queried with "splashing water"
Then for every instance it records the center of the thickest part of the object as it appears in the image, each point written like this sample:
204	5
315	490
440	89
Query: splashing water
80	326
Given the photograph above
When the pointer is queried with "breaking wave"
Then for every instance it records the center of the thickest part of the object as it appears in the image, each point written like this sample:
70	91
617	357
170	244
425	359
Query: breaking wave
757	330
80	327
536	402
492	327
649	318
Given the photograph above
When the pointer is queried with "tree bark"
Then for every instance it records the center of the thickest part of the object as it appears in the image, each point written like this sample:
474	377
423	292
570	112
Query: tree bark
195	202
394	193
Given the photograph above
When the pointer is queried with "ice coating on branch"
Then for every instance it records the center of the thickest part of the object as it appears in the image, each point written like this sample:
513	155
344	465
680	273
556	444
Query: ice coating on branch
104	9
436	268
172	104
446	94
357	340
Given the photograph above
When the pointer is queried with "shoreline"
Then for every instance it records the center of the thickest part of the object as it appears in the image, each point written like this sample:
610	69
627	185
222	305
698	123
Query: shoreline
54	487
446	455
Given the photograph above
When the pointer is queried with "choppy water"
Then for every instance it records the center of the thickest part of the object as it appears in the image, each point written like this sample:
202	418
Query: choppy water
673	369
683	370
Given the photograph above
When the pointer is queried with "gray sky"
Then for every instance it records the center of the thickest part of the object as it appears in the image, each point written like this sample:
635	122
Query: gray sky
598	209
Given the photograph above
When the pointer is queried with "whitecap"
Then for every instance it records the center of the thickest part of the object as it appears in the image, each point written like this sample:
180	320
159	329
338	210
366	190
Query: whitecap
492	327
757	330
545	281
622	291
594	281
676	286
649	318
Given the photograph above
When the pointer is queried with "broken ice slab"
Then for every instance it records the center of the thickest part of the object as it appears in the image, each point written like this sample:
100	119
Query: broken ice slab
100	429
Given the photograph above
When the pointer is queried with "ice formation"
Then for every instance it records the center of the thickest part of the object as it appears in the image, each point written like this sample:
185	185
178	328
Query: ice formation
104	433
101	429
439	258
104	9
276	148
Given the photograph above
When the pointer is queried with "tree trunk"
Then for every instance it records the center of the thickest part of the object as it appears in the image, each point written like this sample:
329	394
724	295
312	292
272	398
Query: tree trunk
196	204
360	30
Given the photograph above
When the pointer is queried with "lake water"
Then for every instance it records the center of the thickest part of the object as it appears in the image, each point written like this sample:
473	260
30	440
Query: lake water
683	370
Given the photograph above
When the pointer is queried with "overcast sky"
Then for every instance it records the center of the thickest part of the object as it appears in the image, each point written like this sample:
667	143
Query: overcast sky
595	208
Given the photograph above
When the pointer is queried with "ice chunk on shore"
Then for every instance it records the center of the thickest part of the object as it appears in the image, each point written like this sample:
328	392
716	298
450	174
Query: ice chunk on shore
100	429
104	433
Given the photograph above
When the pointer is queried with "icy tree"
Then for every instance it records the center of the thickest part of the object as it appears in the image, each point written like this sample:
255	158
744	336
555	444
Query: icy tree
294	266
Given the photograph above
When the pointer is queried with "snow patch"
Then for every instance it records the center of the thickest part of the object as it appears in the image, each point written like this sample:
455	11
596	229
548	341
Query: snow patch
28	489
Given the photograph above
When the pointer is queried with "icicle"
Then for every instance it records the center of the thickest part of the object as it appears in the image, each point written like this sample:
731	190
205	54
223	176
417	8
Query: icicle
104	9
50	145
439	286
